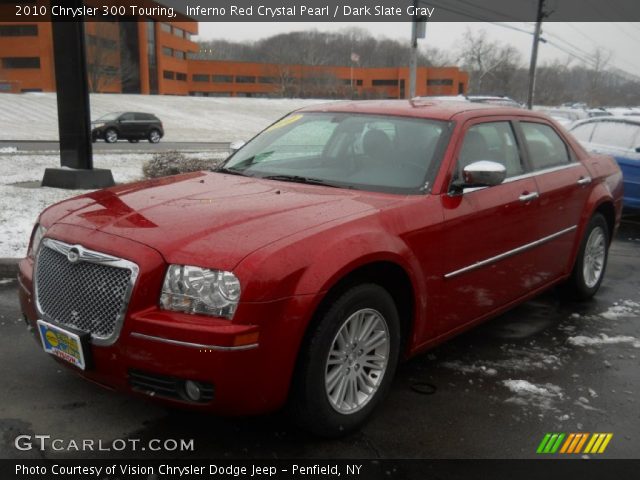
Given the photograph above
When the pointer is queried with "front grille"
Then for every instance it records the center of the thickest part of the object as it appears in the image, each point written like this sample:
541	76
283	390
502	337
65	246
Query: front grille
154	384
89	294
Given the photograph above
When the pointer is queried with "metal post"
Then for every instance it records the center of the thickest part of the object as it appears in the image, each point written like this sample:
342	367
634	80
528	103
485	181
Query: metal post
534	54
74	120
413	61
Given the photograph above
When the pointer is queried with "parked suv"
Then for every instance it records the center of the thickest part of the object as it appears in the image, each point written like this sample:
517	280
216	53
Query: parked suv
131	126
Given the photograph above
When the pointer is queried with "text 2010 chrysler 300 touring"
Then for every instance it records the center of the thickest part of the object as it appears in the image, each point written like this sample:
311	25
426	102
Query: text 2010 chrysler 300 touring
340	240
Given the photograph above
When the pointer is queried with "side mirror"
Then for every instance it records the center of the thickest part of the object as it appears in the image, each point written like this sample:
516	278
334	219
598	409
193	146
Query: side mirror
637	149
484	173
235	146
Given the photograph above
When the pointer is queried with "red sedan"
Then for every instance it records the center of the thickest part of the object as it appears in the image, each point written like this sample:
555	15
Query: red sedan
339	241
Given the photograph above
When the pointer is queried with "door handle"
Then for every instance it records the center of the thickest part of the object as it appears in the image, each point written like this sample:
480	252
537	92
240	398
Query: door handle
527	197
584	181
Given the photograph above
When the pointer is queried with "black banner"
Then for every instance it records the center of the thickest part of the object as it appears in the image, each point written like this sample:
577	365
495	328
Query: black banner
327	10
317	469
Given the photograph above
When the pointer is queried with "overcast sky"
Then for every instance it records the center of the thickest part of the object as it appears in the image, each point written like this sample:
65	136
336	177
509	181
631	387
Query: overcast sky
622	39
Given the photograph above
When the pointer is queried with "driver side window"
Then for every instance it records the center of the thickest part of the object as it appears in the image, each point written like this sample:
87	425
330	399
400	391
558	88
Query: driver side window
492	141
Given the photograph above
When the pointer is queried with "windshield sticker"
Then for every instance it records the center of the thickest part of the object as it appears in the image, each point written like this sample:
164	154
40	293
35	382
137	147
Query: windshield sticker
285	121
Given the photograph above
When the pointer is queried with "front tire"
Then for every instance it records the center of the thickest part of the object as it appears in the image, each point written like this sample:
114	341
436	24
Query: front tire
591	262
348	362
111	136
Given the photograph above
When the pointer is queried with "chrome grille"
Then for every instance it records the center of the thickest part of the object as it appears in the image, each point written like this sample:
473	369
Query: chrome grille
83	289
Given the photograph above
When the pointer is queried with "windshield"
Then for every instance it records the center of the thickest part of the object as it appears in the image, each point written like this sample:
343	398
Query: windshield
368	152
109	116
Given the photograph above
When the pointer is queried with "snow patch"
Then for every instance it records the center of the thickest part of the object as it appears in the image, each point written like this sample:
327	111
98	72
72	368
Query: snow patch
603	339
8	150
625	309
527	394
465	369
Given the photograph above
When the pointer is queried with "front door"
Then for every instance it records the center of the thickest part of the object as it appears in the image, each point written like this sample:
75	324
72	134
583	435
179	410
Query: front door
486	258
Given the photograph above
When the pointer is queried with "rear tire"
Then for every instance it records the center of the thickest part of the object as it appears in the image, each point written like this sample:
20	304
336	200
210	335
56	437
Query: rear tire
591	262
347	363
110	136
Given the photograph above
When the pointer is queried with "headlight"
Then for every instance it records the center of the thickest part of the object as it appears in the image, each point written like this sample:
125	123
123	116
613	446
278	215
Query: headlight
200	290
98	125
38	233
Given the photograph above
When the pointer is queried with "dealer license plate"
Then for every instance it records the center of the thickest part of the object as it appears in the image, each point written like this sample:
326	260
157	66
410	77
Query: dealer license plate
62	343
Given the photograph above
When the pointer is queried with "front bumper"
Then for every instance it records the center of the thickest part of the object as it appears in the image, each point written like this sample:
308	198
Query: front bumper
249	362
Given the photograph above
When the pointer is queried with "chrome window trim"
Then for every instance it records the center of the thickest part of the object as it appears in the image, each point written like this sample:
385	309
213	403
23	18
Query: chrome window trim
90	256
193	345
542	172
526	175
509	253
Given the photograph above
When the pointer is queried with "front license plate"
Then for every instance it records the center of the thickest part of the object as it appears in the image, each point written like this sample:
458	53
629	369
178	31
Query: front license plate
62	343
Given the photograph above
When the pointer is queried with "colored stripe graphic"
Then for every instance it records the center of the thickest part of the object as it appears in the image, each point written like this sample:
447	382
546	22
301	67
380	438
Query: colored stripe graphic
572	443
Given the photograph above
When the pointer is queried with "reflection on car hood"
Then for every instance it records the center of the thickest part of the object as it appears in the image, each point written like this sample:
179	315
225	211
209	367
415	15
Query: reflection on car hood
191	217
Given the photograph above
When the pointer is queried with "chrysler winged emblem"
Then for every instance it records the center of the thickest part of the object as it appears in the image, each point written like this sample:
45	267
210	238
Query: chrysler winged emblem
73	255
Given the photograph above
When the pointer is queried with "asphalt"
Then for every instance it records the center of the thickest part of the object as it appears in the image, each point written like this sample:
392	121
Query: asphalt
122	146
453	402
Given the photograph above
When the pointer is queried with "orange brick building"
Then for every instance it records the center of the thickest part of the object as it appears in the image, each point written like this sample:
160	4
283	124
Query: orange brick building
149	56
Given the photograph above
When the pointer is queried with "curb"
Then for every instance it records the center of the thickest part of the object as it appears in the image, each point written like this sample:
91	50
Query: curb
9	267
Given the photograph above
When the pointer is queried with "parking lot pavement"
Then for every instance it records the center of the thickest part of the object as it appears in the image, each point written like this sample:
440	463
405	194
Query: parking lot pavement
547	366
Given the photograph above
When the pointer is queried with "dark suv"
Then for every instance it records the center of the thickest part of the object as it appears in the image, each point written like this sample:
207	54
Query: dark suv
131	126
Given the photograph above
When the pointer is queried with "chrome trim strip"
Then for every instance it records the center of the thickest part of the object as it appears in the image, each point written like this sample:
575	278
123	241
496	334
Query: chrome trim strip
89	256
526	175
542	172
510	253
194	345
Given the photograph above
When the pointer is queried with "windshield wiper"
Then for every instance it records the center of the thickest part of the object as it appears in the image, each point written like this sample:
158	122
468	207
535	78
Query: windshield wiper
230	171
300	179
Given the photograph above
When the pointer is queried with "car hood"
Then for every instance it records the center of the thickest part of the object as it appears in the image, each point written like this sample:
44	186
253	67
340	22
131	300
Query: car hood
212	219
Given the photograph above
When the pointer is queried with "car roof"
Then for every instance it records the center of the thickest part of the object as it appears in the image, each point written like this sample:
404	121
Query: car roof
419	108
634	119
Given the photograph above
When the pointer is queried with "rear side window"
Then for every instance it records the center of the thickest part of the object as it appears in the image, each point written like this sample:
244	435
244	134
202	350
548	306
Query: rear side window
616	134
546	148
492	141
125	117
583	132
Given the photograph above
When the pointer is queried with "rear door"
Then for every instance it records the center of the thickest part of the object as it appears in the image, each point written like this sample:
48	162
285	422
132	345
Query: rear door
486	262
563	185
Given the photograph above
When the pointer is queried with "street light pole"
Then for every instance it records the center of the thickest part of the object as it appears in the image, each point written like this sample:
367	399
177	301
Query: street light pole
534	54
413	60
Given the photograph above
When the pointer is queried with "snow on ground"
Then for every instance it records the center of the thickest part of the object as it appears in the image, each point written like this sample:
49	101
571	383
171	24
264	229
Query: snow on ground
603	339
542	396
622	309
33	116
20	206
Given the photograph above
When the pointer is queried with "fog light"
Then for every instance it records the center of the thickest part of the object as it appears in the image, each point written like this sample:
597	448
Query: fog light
192	390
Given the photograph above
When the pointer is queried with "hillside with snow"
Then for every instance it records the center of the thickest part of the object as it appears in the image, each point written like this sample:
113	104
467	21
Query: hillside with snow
34	116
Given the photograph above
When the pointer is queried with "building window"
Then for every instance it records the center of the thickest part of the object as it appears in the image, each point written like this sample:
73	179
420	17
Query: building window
222	78
167	51
187	35
151	57
178	32
21	62
168	75
267	80
245	79
181	76
384	83
18	30
199	77
440	81
179	54
165	27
